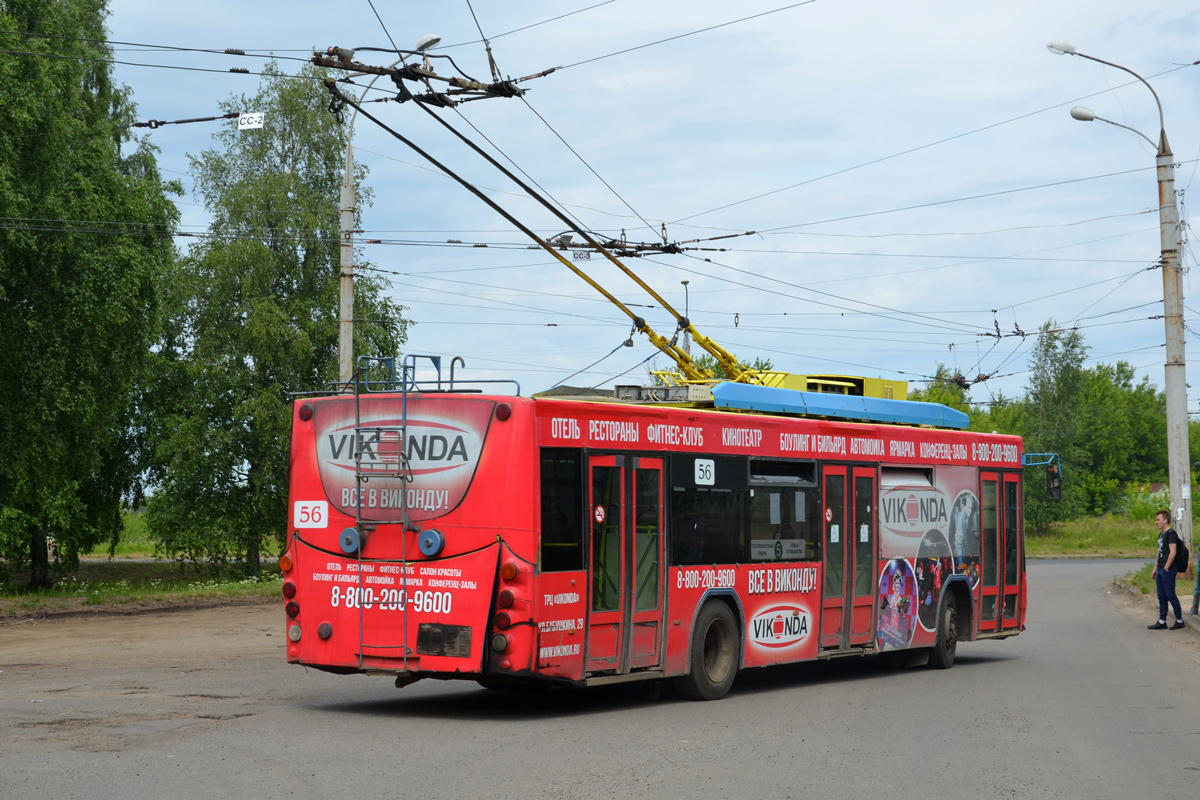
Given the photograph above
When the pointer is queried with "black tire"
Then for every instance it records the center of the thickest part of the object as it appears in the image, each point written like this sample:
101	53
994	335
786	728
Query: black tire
713	661
946	645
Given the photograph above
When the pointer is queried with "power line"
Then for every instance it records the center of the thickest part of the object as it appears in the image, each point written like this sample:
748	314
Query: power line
525	27
964	233
958	326
589	166
689	33
919	148
935	203
228	51
231	70
385	30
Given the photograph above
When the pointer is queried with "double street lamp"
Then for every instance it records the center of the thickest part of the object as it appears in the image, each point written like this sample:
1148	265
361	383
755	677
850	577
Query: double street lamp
1170	235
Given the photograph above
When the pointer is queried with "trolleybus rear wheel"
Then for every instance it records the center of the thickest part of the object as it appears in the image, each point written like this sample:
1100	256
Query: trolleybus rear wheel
714	657
942	654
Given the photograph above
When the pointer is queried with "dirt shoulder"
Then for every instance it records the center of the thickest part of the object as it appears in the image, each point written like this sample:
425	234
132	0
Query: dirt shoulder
19	611
101	587
1143	609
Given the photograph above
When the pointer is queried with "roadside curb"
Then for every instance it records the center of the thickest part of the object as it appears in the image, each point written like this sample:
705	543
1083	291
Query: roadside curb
1192	621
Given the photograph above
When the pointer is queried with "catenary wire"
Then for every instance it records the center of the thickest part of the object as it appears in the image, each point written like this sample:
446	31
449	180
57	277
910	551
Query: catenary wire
526	27
683	35
919	148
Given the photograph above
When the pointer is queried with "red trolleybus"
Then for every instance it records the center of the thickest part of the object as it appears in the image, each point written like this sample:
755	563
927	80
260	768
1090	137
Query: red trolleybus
452	533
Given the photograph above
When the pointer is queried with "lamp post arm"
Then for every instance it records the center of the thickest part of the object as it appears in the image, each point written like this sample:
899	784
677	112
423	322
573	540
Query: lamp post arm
1126	127
1163	148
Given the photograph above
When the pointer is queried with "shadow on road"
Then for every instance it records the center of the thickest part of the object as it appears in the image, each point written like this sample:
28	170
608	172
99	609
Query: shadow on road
465	701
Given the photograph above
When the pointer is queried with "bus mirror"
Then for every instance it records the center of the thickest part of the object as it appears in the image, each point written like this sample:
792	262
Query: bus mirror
1053	482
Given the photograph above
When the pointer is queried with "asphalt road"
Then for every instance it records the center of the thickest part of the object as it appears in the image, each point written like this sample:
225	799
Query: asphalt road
1086	704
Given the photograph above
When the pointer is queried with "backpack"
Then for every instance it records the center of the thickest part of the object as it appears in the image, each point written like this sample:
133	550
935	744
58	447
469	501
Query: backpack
1181	558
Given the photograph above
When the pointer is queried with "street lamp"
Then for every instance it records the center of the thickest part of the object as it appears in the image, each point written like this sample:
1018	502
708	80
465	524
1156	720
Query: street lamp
1170	235
347	202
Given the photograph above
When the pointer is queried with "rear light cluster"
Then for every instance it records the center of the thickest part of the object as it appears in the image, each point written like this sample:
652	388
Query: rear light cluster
292	608
509	572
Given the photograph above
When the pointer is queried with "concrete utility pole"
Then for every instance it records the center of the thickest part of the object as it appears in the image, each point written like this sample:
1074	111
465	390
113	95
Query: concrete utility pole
1171	238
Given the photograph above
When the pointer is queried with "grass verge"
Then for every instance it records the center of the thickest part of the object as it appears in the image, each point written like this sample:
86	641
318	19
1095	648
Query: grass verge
1097	537
1141	582
115	586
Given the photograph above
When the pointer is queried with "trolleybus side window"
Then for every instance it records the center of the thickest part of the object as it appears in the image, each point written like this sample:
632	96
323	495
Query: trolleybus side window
864	517
991	575
1011	515
835	500
709	509
784	512
606	538
648	509
562	510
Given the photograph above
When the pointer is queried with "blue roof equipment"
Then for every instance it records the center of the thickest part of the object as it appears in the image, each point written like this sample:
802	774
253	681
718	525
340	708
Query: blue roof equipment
746	397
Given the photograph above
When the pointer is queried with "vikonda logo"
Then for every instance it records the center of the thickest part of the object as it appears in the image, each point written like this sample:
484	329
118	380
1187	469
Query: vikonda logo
430	446
443	441
780	626
913	511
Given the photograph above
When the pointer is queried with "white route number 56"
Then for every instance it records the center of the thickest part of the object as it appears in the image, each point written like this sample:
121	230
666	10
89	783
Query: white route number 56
310	514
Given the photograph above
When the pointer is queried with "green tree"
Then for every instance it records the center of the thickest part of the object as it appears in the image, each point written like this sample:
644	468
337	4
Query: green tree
1052	422
85	236
706	361
1122	434
254	316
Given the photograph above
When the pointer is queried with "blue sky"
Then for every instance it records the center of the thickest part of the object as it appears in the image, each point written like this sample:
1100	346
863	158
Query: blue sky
896	148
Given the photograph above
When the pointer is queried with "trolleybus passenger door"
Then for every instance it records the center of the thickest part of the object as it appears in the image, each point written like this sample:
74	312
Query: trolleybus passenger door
646	565
833	602
861	594
624	625
990	522
1013	559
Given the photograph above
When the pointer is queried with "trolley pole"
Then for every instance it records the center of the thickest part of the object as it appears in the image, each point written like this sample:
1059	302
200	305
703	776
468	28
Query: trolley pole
346	272
347	204
1171	239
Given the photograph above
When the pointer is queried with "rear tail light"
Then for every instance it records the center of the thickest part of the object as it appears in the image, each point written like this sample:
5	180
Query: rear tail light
503	411
503	620
505	599
289	589
324	630
285	563
499	642
292	608
294	633
306	412
508	571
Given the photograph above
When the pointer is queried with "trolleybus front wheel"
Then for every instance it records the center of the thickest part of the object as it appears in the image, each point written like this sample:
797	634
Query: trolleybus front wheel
946	645
714	657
